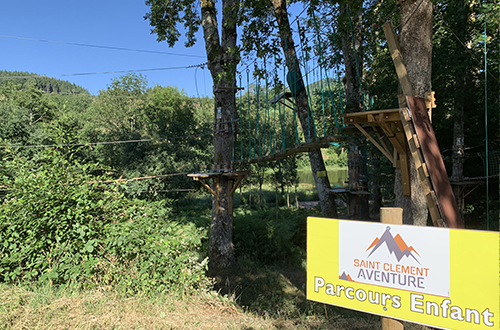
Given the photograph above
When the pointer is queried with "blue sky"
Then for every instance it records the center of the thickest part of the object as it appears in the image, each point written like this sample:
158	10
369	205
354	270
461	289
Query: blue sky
105	22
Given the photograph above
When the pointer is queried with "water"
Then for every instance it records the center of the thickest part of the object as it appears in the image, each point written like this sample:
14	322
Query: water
337	177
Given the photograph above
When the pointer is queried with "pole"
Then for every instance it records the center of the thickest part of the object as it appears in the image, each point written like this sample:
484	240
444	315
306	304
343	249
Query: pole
391	215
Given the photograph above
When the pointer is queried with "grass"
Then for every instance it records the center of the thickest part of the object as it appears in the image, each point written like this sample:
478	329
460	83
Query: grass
259	297
52	309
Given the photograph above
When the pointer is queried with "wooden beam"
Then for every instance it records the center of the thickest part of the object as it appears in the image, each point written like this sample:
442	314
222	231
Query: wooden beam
381	138
385	152
391	132
397	58
217	194
390	115
394	216
405	174
206	185
236	185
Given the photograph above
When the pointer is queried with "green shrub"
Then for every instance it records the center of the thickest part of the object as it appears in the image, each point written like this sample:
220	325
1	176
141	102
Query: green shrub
268	238
60	224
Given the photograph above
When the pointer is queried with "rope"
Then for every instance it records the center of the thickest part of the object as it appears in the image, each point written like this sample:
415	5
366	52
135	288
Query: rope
258	118
283	145
322	58
339	83
241	121
233	124
249	122
486	127
267	119
320	51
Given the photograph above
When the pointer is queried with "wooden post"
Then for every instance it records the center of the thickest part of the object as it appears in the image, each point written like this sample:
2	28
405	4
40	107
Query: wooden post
391	215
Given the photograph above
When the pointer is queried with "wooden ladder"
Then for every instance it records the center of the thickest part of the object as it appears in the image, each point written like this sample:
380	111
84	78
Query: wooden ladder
422	170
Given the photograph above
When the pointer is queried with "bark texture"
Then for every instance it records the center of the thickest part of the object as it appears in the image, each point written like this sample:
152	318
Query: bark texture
415	38
326	199
222	65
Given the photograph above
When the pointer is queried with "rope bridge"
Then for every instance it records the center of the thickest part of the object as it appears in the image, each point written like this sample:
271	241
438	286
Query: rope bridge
265	110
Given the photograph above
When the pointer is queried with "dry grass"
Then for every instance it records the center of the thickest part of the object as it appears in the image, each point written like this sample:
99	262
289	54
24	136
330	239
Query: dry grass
25	310
21	309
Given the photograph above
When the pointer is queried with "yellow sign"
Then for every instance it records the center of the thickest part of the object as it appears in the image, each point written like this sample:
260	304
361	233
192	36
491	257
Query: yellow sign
445	278
321	174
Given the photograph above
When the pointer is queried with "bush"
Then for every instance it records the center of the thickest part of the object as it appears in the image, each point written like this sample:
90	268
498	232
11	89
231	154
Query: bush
59	223
266	237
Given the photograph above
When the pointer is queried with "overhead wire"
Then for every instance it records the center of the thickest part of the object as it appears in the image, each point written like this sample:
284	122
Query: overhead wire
103	47
103	72
110	142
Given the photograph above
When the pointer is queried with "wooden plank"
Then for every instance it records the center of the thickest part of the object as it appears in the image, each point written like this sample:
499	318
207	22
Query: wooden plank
372	112
383	117
372	116
385	152
394	216
423	170
400	139
434	161
397	58
415	140
405	174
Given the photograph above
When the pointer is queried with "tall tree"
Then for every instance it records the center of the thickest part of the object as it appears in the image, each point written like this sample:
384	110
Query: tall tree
222	58
351	31
296	84
415	38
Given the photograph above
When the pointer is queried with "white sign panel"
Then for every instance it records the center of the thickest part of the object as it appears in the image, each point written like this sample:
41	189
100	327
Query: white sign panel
402	257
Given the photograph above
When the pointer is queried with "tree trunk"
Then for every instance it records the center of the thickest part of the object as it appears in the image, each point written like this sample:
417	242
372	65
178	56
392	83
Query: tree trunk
222	65
353	59
415	39
353	62
458	114
296	84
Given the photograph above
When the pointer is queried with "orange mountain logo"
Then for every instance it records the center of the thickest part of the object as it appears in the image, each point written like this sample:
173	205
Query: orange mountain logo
395	244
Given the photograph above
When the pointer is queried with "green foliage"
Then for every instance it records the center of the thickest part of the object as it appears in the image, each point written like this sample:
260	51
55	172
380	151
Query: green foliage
166	17
268	237
59	224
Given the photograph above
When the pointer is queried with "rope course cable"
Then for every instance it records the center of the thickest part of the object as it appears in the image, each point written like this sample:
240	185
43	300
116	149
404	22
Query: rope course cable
110	142
103	47
104	72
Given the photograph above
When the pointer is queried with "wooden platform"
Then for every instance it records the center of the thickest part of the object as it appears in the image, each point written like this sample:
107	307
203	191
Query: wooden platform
216	175
411	127
388	137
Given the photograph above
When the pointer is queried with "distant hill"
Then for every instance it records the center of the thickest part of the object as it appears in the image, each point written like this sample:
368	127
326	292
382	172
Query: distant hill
46	84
